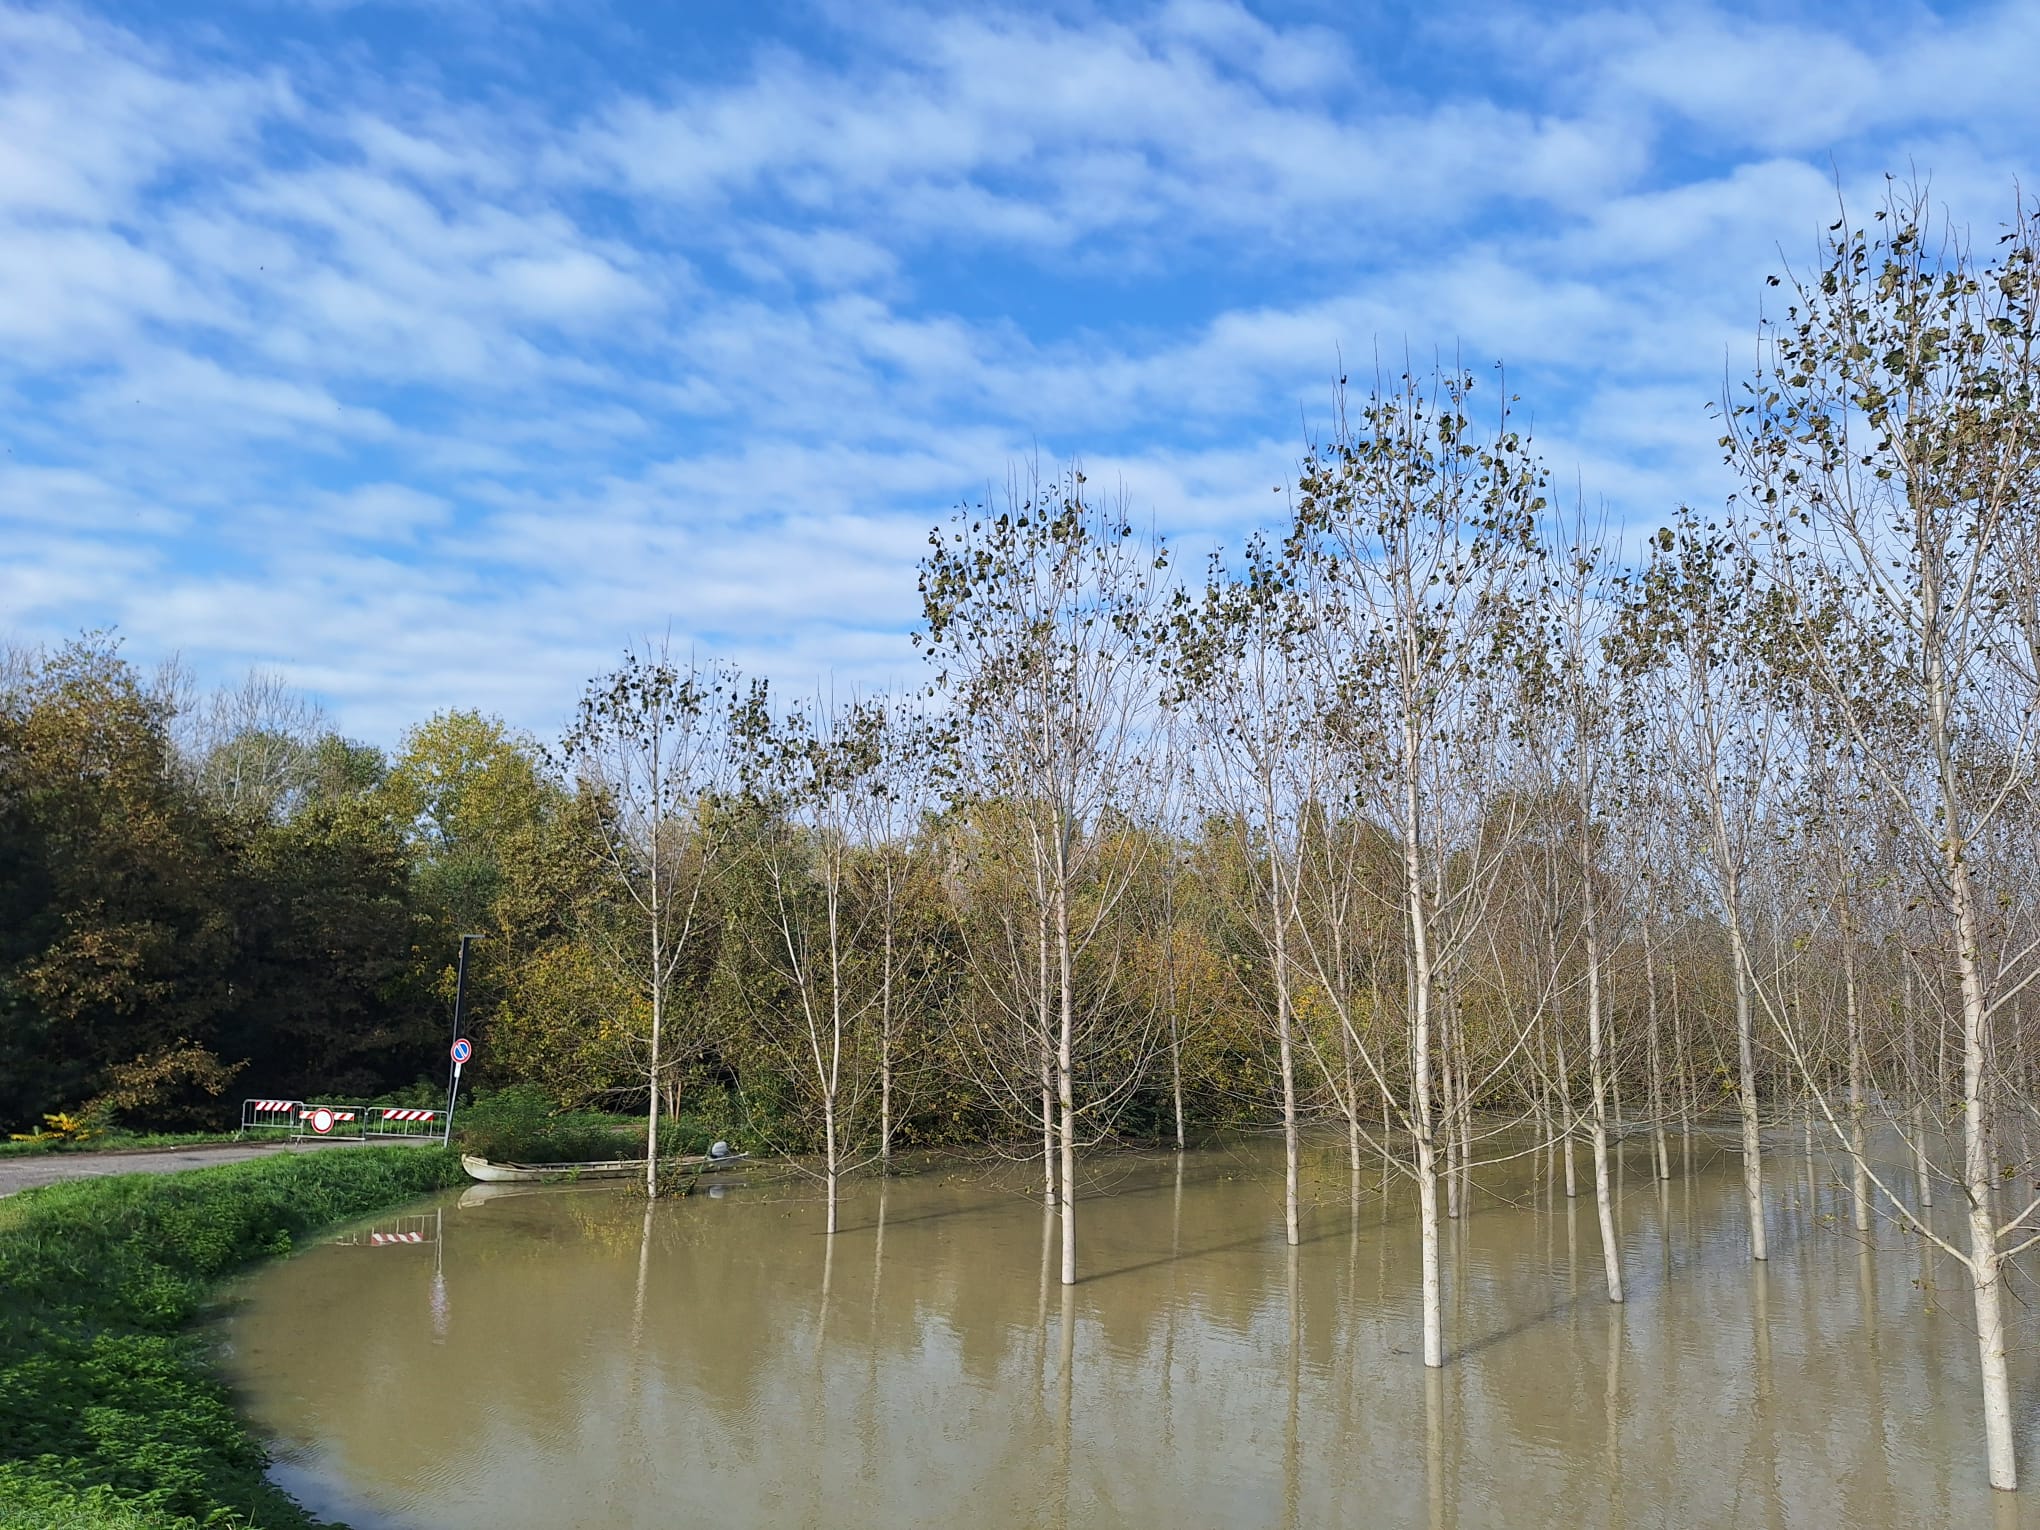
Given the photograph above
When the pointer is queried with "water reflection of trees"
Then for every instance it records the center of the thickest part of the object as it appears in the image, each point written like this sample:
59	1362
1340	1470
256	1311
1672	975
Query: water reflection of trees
1194	1379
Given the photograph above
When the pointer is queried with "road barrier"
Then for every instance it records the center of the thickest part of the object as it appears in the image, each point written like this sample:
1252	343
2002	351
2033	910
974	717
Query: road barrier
325	1121
399	1121
271	1116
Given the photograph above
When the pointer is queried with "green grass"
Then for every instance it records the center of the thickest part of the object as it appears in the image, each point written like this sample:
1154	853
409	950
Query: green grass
115	1142
110	1416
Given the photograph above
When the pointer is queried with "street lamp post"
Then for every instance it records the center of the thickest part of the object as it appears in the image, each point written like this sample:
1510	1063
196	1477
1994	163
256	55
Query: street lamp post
459	997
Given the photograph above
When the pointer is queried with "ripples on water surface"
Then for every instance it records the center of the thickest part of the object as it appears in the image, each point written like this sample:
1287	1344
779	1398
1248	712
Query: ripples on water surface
559	1357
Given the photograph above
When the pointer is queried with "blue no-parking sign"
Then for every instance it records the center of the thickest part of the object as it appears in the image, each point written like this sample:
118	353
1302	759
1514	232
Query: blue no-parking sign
463	1049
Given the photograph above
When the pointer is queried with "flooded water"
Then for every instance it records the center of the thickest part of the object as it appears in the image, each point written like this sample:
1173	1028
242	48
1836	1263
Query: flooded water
562	1357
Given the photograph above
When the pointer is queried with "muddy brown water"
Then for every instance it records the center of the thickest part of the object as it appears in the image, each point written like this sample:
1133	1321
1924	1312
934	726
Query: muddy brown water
563	1357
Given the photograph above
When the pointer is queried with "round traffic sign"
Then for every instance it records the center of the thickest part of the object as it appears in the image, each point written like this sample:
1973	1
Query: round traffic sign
322	1120
463	1049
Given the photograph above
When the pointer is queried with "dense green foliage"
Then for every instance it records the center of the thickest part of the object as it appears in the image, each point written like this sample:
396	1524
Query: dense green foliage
108	1412
167	929
202	900
521	1124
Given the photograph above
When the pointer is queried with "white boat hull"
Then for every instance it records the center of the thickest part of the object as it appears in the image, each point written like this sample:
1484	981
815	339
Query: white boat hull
613	1168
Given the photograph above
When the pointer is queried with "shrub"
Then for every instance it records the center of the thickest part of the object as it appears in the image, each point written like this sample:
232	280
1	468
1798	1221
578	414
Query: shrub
59	1129
520	1125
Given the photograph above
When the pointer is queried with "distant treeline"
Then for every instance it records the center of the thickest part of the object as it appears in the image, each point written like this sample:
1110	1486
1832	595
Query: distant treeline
208	897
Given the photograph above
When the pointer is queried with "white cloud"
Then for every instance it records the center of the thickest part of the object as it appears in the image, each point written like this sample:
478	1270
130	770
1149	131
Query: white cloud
431	394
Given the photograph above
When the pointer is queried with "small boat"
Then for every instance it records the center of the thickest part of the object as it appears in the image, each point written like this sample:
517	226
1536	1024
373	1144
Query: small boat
613	1168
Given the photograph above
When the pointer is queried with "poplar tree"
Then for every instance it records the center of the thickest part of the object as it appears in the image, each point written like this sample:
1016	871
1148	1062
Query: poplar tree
649	740
1889	443
1040	620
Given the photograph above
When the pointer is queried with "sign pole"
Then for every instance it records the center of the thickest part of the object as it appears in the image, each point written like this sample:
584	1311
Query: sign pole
461	1051
452	1092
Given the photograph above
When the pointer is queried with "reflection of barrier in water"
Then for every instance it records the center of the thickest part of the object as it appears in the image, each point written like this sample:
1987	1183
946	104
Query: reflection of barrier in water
392	1232
414	1231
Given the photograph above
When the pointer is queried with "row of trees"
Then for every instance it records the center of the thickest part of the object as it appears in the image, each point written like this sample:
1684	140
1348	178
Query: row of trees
1481	828
1429	815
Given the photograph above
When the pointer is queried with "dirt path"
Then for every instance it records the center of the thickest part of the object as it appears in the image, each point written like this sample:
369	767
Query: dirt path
48	1168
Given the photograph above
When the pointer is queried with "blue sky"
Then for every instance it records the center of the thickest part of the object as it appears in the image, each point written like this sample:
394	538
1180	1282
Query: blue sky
428	354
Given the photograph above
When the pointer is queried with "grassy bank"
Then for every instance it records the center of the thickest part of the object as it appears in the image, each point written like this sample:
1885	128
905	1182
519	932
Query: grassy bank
109	1414
115	1142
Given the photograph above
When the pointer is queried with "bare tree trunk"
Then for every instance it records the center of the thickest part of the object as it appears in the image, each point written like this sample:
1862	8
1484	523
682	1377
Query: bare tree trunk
1351	1102
1567	1124
1978	1182
1287	1061
1422	1117
1065	1077
1448	1105
1746	1092
1806	1133
829	1132
1465	1146
1859	1103
1540	1105
1604	1205
885	1040
658	1026
1661	1154
1043	1012
1921	1086
1169	998
1681	1051
1176	1073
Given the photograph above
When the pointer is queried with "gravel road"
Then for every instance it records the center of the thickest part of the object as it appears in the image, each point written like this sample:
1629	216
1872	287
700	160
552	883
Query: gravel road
48	1168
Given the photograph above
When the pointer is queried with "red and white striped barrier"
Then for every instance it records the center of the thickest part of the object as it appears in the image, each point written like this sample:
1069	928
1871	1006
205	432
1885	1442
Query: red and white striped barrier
378	1239
269	1115
299	1118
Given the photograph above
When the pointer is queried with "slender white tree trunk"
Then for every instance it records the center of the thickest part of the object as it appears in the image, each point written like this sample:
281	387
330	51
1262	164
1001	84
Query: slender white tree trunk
1065	1064
1746	1092
1568	1127
1448	1103
832	1072
885	1039
1859	1103
1978	1179
829	1131
1287	1060
1176	1070
1169	998
1597	1068
1661	1154
1422	1119
1806	1132
1465	1123
1352	1108
658	1026
1986	1263
1044	1010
